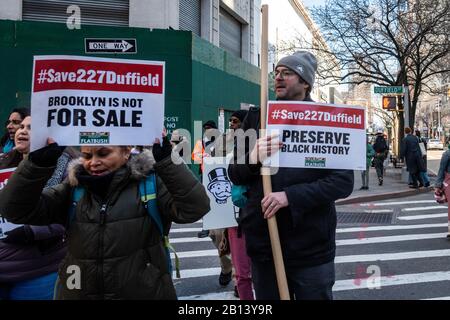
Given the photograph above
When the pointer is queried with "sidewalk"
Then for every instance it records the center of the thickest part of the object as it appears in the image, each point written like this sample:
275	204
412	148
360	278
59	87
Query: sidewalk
393	187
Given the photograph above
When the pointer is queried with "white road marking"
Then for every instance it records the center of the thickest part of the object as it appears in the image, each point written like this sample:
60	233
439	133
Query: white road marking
424	208
393	256
385	228
228	295
379	204
191	239
407	237
423	216
394	280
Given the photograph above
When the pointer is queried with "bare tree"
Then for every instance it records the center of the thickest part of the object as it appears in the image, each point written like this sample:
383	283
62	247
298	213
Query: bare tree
385	42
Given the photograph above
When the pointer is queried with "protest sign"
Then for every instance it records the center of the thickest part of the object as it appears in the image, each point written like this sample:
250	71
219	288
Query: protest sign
96	101
5	226
218	186
318	135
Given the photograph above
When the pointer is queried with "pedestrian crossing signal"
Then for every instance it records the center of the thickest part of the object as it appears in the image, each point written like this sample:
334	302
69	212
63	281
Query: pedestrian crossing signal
389	103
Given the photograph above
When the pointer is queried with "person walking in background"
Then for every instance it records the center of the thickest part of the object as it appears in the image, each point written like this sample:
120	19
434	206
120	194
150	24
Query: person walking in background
381	149
442	183
12	124
370	153
423	174
410	150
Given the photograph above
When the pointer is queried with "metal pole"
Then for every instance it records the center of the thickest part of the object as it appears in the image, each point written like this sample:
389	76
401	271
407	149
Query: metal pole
439	119
406	106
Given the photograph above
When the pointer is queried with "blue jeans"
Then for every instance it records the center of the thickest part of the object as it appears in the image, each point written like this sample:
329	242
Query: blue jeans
311	283
40	288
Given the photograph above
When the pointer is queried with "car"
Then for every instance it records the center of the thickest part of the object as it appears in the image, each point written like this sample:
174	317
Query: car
435	144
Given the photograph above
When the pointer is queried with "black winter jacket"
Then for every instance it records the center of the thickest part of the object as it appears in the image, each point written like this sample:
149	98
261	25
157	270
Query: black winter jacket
307	227
117	249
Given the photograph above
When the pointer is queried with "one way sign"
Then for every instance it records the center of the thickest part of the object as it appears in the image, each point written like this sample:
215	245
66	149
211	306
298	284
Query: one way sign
110	45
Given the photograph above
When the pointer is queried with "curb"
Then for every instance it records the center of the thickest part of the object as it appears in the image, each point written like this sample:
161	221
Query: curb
382	196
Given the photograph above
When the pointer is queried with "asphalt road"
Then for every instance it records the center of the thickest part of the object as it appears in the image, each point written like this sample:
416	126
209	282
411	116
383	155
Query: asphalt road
393	249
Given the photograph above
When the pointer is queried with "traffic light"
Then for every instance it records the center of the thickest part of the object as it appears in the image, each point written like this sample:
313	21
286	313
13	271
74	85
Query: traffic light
389	103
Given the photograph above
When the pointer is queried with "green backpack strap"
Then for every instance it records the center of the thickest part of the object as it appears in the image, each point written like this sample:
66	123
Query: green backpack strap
147	190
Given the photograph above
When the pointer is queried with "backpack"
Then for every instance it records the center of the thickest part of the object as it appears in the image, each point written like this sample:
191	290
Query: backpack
147	192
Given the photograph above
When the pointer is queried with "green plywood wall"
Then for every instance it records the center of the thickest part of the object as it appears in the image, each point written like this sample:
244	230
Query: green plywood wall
200	77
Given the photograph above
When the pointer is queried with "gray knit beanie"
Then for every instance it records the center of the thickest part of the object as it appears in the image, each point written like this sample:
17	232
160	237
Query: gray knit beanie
303	63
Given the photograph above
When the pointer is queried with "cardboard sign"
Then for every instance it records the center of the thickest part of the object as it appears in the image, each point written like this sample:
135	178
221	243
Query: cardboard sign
218	187
318	135
5	226
96	101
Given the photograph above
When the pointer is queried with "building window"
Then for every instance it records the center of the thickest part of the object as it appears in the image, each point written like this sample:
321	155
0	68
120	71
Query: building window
190	15
93	12
230	33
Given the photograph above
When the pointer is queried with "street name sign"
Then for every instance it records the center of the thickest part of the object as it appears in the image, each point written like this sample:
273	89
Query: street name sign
389	90
110	45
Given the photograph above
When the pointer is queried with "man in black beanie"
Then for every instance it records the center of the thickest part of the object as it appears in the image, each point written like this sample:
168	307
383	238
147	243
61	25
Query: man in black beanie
302	200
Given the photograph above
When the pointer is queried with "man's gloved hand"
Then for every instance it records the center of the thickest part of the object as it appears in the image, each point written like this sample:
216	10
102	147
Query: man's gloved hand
20	235
46	156
160	153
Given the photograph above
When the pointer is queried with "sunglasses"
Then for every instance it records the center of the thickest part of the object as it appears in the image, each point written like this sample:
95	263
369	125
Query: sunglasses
14	122
234	120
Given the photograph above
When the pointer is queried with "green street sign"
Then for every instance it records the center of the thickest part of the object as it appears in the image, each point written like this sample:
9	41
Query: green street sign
391	90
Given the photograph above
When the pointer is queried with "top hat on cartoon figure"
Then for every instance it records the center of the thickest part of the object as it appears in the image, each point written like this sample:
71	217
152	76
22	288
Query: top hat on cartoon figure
219	184
217	175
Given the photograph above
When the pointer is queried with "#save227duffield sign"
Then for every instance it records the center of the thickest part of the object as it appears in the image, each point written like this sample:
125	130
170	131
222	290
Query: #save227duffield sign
78	100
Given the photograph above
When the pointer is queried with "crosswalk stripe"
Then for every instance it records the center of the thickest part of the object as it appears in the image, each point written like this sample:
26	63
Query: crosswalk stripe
423	208
423	216
227	295
189	239
342	259
393	256
377	204
386	228
407	237
200	272
395	280
181	230
197	253
350	284
378	211
345	242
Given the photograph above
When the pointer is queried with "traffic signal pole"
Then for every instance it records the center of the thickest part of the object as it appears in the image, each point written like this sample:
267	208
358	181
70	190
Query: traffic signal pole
406	106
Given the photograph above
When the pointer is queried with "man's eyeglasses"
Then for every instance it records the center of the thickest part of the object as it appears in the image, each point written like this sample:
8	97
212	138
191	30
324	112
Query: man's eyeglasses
14	122
234	121
284	73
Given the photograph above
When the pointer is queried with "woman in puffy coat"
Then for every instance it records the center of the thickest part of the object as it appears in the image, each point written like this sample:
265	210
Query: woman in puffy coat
115	250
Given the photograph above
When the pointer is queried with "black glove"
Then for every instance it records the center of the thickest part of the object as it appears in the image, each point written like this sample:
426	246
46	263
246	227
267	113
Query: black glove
46	156
20	235
163	152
